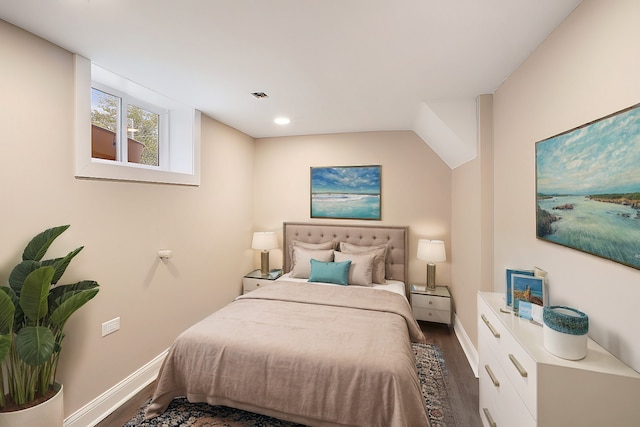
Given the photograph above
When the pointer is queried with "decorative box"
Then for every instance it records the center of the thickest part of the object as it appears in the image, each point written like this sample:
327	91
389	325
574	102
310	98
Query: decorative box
565	332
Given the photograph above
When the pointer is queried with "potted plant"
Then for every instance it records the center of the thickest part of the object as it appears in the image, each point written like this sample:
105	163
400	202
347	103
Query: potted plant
33	311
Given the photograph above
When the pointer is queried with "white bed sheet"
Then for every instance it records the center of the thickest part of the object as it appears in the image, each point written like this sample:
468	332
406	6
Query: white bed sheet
391	285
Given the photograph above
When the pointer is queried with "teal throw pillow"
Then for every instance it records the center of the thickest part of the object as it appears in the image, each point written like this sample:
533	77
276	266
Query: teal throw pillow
330	272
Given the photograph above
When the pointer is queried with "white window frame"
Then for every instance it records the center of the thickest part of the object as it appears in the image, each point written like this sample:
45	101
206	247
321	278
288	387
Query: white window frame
181	162
163	128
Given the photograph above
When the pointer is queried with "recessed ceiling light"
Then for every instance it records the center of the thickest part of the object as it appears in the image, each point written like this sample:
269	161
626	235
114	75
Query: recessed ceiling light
282	120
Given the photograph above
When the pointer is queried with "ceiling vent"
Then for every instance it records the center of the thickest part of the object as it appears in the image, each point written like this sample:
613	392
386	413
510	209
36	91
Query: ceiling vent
259	95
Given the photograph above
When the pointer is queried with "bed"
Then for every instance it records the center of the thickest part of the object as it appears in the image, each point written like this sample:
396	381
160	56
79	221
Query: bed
311	350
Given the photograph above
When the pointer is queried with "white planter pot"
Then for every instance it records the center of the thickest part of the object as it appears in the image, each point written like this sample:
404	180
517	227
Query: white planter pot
49	414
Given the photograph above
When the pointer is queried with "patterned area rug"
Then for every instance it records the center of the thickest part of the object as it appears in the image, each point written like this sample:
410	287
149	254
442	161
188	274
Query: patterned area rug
432	374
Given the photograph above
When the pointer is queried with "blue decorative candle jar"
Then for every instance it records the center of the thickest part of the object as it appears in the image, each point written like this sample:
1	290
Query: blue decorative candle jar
565	332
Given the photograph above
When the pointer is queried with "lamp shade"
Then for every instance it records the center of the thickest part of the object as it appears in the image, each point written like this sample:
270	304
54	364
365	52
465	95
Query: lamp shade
264	240
431	250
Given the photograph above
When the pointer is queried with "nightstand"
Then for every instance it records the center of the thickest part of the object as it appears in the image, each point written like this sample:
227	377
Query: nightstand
255	279
431	306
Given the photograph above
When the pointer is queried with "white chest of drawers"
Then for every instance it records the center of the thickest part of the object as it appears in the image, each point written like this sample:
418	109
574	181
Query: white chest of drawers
521	384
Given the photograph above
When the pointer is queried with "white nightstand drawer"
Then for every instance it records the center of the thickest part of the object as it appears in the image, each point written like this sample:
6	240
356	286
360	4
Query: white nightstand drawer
256	279
249	285
439	316
431	302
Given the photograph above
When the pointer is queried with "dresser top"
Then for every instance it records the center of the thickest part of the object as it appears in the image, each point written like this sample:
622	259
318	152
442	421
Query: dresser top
530	337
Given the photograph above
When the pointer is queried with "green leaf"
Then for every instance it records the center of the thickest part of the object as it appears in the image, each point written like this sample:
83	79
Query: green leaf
34	345
18	317
60	293
33	298
39	245
70	305
5	345
12	294
20	273
61	264
7	310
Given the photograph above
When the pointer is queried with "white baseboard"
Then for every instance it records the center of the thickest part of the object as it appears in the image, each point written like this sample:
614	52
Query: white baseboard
99	408
468	348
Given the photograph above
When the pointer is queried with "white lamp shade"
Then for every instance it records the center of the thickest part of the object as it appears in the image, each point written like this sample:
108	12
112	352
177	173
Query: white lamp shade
431	250
264	240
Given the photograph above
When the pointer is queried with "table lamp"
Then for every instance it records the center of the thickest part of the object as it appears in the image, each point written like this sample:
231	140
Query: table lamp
431	251
264	240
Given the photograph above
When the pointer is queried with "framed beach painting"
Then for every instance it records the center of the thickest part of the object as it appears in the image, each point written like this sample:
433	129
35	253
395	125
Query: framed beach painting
588	188
348	192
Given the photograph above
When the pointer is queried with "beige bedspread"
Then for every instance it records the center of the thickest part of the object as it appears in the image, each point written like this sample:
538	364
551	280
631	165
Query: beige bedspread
316	355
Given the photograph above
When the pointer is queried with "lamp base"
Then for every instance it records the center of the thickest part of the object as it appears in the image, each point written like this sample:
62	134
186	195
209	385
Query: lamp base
431	277
264	262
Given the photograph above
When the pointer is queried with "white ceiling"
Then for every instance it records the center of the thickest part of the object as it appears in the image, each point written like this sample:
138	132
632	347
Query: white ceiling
330	65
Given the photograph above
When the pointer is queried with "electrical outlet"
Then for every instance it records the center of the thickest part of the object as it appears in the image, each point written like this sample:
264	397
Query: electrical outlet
111	326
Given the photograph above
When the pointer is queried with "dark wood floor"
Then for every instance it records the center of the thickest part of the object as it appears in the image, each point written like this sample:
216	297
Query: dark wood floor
463	390
463	384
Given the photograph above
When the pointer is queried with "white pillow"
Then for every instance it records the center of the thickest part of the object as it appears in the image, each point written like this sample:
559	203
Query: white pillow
379	262
302	257
361	269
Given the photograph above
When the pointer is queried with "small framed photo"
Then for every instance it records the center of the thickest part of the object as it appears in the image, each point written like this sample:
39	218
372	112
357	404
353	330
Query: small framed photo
530	311
527	288
524	310
510	273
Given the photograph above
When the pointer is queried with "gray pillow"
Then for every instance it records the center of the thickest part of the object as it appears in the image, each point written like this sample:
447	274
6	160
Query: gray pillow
379	262
302	260
360	272
324	245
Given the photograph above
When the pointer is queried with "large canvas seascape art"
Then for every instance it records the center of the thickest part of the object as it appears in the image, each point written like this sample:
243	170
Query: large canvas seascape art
351	192
588	188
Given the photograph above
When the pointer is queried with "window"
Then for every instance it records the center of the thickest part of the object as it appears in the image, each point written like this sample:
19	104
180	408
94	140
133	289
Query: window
133	137
125	131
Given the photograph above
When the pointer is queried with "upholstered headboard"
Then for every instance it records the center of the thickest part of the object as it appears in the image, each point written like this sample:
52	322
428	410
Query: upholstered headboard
397	265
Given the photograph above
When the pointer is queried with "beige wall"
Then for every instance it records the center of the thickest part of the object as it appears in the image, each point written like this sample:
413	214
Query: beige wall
121	224
586	69
583	71
416	185
472	224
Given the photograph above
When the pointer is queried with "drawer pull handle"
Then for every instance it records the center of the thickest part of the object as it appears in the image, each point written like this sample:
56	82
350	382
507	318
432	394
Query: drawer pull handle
489	418
490	326
495	381
430	302
521	370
